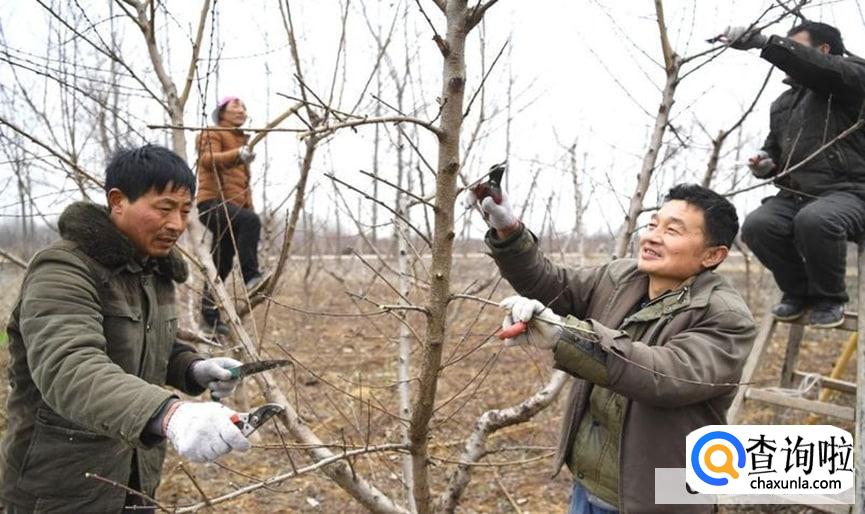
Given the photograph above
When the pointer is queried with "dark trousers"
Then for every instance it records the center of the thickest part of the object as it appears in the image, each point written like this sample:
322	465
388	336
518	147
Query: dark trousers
803	242
230	225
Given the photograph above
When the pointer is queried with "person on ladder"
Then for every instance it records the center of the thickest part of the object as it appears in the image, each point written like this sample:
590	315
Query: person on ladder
800	234
225	203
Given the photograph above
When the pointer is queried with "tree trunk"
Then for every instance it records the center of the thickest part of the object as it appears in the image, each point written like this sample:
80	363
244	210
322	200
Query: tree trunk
452	96
648	167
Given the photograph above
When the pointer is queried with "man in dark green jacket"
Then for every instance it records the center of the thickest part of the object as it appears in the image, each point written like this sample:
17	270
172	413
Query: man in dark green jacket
92	343
652	343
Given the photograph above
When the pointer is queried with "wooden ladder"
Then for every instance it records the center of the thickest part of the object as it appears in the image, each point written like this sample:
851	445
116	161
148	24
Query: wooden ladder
854	323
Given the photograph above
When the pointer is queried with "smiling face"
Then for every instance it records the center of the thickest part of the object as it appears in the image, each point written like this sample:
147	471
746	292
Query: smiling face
234	113
674	246
154	221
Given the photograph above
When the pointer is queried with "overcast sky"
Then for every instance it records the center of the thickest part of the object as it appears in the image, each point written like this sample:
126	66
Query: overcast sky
583	71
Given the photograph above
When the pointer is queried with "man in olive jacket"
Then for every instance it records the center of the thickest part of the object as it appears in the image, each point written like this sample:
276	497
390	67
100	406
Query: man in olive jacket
92	342
649	341
800	234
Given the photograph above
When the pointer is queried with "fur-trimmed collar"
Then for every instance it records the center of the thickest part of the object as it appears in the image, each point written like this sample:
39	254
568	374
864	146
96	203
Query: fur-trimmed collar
88	225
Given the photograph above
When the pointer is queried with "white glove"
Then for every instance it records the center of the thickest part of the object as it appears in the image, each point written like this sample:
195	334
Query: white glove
543	329
499	216
246	155
214	375
202	432
761	165
741	38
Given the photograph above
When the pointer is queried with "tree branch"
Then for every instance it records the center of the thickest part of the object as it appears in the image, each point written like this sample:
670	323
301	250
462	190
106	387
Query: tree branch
369	121
490	422
386	206
477	13
291	474
665	41
13	259
196	47
66	160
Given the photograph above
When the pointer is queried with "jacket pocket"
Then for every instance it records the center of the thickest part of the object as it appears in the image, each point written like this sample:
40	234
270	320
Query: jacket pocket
124	335
158	351
60	454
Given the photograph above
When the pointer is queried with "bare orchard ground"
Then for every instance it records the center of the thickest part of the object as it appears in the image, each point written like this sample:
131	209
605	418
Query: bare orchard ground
344	388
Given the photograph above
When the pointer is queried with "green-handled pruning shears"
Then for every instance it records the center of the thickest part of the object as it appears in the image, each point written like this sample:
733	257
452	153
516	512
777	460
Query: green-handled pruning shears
252	368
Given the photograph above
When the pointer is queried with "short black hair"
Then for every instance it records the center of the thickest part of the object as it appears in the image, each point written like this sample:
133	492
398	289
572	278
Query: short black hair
821	33
135	171
719	215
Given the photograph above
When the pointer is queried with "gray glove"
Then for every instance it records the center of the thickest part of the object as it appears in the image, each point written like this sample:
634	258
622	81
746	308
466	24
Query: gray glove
543	329
246	155
202	432
741	38
214	375
761	165
499	216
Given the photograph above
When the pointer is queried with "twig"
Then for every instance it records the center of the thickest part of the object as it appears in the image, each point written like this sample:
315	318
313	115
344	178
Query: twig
319	313
250	477
441	43
369	121
379	275
502	464
400	189
189	336
484	79
477	13
196	484
285	476
272	125
507	493
386	206
853	128
128	490
13	259
226	129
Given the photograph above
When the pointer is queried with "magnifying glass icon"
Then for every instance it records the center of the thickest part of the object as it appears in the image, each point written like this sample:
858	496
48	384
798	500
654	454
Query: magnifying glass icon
726	466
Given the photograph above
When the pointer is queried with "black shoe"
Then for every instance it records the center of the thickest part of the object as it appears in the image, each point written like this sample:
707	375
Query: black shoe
827	315
255	283
789	309
214	328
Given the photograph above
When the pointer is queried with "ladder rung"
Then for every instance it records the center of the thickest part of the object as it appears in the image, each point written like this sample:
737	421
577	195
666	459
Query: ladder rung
831	383
851	322
782	400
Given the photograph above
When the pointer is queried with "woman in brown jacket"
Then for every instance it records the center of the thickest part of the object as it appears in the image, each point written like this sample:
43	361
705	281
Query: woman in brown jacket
225	201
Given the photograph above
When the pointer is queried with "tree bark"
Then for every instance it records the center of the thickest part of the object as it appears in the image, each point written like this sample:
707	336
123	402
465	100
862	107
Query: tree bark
649	159
452	97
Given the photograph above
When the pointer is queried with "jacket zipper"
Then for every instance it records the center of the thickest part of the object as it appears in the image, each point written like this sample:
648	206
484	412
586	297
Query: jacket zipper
627	410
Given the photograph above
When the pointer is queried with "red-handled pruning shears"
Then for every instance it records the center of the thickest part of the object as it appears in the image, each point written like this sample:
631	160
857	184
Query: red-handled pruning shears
248	422
513	331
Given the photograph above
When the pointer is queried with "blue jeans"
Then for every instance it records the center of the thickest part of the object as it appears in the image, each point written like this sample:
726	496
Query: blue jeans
580	503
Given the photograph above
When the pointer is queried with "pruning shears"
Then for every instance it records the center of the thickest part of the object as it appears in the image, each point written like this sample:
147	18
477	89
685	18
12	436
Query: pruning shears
252	368
493	185
513	331
248	422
